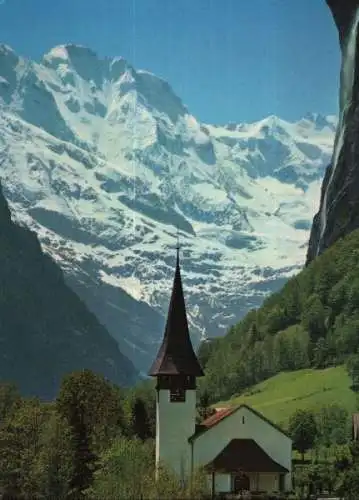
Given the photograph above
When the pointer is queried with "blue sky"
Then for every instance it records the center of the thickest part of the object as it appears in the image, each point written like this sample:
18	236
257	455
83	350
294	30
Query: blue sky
229	60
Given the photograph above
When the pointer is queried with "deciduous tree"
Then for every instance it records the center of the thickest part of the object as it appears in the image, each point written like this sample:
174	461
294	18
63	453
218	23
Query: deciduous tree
303	430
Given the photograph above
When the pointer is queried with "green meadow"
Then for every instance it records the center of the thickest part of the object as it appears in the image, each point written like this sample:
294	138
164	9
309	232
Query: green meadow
278	397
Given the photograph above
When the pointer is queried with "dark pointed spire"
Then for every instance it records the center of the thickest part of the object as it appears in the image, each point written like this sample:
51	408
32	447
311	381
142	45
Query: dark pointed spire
178	245
176	355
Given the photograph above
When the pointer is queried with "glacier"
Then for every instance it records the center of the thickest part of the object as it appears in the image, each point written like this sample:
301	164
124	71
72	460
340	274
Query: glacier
105	163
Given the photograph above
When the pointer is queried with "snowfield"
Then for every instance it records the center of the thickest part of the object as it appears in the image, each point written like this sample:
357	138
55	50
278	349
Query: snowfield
105	162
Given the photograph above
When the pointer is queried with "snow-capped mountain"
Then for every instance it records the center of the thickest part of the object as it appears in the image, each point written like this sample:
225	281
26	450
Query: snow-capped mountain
105	162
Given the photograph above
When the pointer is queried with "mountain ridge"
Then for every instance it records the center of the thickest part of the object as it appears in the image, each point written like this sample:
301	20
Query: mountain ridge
45	329
106	170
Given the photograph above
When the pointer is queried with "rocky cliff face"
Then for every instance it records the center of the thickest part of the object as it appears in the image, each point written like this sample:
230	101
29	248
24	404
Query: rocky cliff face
45	329
339	206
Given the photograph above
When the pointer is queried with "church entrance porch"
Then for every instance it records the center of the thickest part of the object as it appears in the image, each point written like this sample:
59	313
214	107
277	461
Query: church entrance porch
244	466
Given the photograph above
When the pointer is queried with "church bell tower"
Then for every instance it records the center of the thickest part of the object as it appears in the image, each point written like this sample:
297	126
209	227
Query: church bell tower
176	368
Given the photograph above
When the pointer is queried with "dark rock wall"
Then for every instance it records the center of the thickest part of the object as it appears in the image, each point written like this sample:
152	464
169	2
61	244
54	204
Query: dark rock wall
339	206
46	331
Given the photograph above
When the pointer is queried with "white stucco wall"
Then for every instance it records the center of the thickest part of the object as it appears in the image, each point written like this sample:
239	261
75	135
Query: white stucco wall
175	423
222	483
243	424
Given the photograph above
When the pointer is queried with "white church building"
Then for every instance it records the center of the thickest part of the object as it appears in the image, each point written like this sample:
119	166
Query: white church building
239	447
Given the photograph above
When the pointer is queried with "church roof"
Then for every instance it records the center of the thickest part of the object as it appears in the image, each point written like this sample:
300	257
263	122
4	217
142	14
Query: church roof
176	355
244	455
216	417
223	413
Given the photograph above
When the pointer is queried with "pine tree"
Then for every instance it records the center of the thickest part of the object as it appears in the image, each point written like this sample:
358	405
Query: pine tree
71	405
204	409
140	420
84	460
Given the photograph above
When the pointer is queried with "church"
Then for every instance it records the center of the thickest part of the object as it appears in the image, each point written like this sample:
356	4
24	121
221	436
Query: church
239	448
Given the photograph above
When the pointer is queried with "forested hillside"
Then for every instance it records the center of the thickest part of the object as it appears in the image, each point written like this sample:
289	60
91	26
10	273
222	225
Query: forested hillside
46	331
312	322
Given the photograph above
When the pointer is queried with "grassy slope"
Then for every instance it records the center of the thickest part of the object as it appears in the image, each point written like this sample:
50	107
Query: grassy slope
278	397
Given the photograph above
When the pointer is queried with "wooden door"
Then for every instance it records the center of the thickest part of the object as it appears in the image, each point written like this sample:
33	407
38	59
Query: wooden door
241	483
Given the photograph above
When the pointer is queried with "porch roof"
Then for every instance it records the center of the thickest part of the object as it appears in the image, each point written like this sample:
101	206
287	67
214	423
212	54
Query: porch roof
244	455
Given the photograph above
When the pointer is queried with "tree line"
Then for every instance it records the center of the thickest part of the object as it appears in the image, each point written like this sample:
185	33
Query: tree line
312	322
95	441
333	464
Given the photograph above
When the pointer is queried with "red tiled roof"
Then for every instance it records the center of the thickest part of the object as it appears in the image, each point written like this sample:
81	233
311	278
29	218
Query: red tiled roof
244	455
223	413
216	417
